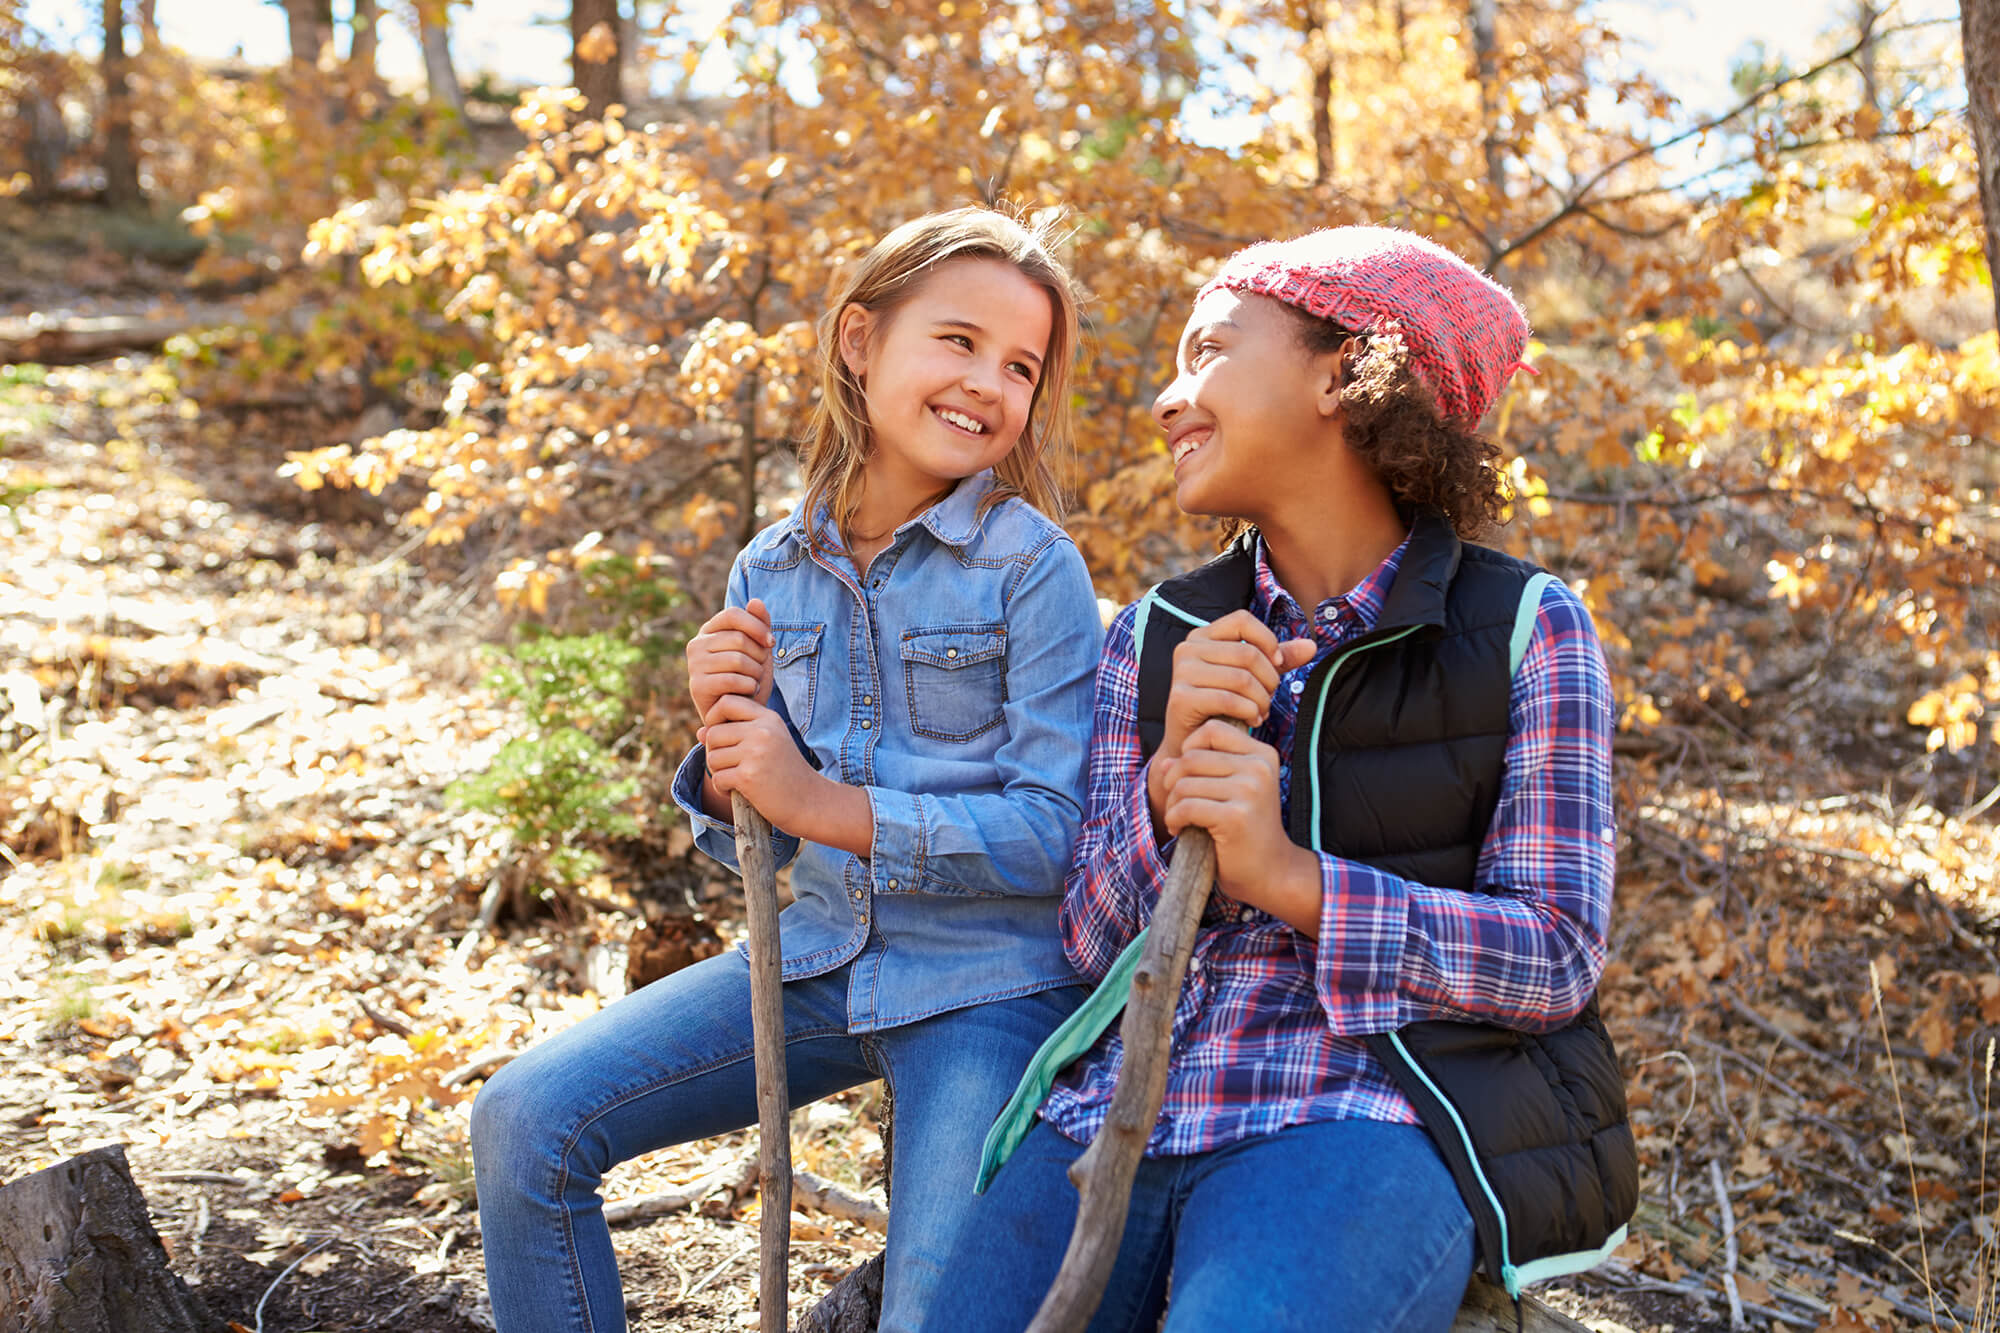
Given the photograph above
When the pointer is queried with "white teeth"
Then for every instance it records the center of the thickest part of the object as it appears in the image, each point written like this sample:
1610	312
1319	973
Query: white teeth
1189	444
962	421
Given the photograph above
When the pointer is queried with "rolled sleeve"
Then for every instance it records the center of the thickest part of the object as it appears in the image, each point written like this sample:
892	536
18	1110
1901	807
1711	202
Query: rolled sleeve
1366	912
713	836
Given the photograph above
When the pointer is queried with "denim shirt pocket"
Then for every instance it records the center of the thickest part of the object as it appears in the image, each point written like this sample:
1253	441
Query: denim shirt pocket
795	667
956	676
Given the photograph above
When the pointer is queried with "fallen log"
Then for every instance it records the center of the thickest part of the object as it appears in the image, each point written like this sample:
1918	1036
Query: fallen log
83	338
78	1254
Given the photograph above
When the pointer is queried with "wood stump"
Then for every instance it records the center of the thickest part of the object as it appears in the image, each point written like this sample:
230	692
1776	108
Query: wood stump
78	1254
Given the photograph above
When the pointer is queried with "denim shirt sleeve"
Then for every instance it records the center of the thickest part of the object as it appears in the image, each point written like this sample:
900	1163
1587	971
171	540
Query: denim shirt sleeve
717	837
1016	840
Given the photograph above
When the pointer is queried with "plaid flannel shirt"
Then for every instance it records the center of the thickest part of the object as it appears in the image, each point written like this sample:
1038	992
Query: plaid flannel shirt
1268	1029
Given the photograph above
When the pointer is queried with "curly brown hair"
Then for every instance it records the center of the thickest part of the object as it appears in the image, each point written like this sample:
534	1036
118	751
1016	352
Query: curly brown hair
1393	424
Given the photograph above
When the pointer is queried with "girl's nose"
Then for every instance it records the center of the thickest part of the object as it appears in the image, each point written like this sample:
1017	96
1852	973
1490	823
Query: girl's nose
1169	405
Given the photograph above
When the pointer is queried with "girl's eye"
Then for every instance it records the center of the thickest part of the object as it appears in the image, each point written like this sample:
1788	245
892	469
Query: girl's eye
960	339
1023	369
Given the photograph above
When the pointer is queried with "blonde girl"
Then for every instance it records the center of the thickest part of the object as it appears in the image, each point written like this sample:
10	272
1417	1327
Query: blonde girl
901	682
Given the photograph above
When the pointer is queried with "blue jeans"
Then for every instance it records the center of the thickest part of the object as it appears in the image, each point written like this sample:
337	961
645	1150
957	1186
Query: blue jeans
1348	1226
672	1062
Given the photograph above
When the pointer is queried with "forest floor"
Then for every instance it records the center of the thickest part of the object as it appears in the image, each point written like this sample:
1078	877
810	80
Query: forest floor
240	919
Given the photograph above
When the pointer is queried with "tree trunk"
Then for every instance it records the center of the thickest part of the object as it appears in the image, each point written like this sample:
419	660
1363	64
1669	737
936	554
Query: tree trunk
121	163
596	52
310	25
79	1255
1486	68
1319	59
1979	24
149	25
434	34
1867	12
48	144
361	51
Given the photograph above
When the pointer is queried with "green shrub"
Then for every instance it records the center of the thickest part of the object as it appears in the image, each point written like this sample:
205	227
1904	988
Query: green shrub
561	785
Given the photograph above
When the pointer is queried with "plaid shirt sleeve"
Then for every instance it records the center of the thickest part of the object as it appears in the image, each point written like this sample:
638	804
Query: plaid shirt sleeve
1118	867
1526	949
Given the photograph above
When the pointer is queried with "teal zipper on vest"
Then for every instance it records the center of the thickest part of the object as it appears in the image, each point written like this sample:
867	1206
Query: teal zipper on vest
1319	718
1510	1277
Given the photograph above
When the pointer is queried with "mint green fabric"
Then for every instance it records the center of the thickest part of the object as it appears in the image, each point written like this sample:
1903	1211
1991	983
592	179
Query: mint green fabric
1078	1034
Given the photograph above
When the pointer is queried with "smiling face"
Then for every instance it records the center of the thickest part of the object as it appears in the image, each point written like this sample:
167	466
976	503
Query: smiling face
948	375
1251	417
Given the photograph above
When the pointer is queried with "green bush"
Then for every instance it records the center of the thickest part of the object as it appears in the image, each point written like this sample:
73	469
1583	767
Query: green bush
561	785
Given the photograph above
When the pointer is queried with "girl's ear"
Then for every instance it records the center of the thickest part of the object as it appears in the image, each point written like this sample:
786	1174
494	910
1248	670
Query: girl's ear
1336	370
852	334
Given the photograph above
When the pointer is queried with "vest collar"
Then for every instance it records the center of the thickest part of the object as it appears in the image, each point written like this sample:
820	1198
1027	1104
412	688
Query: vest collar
1417	597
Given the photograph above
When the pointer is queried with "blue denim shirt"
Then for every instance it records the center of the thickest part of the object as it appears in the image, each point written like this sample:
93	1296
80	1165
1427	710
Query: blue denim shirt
954	686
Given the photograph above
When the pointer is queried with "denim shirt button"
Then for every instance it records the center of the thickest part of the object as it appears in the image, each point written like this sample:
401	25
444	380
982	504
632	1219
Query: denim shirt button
868	698
865	724
892	883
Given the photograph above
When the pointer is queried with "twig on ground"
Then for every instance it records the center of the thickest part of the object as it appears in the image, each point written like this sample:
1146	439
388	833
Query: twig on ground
823	1196
721	1268
203	1177
1721	1188
735	1175
382	1020
282	1276
479	1067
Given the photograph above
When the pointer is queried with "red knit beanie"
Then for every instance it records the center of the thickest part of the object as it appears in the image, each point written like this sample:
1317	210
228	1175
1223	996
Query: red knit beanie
1465	333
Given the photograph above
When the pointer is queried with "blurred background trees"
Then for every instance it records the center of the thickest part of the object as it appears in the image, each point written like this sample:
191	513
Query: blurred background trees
1759	436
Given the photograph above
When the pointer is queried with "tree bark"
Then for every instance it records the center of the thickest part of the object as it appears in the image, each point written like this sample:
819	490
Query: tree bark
48	144
1319	59
1979	26
361	51
434	35
149	25
1486	68
593	24
310	26
1867	12
121	162
79	1255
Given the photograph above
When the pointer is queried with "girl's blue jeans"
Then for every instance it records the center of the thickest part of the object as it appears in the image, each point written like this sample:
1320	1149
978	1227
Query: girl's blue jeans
672	1062
1347	1226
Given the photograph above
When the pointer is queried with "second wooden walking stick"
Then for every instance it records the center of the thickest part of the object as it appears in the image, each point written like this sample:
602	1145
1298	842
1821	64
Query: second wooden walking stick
767	1034
1103	1174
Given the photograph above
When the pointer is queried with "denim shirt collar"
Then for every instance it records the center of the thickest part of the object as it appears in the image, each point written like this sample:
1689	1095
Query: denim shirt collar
954	520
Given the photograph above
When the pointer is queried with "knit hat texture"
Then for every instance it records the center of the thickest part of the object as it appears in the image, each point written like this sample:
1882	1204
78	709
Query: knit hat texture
1465	333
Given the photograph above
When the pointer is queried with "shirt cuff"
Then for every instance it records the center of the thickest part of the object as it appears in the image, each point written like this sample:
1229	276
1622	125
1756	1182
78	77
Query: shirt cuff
896	855
1357	961
717	837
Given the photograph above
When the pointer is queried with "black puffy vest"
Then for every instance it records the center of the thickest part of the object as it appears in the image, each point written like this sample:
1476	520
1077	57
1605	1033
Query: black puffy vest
1397	760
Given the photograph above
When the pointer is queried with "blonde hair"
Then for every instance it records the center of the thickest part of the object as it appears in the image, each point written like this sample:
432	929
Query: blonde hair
837	442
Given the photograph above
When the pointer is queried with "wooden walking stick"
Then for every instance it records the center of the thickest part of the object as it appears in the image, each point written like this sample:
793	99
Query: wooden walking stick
767	1031
1103	1174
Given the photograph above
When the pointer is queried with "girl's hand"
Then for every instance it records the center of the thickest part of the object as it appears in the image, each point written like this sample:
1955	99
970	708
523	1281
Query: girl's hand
1225	669
1227	782
750	750
731	656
